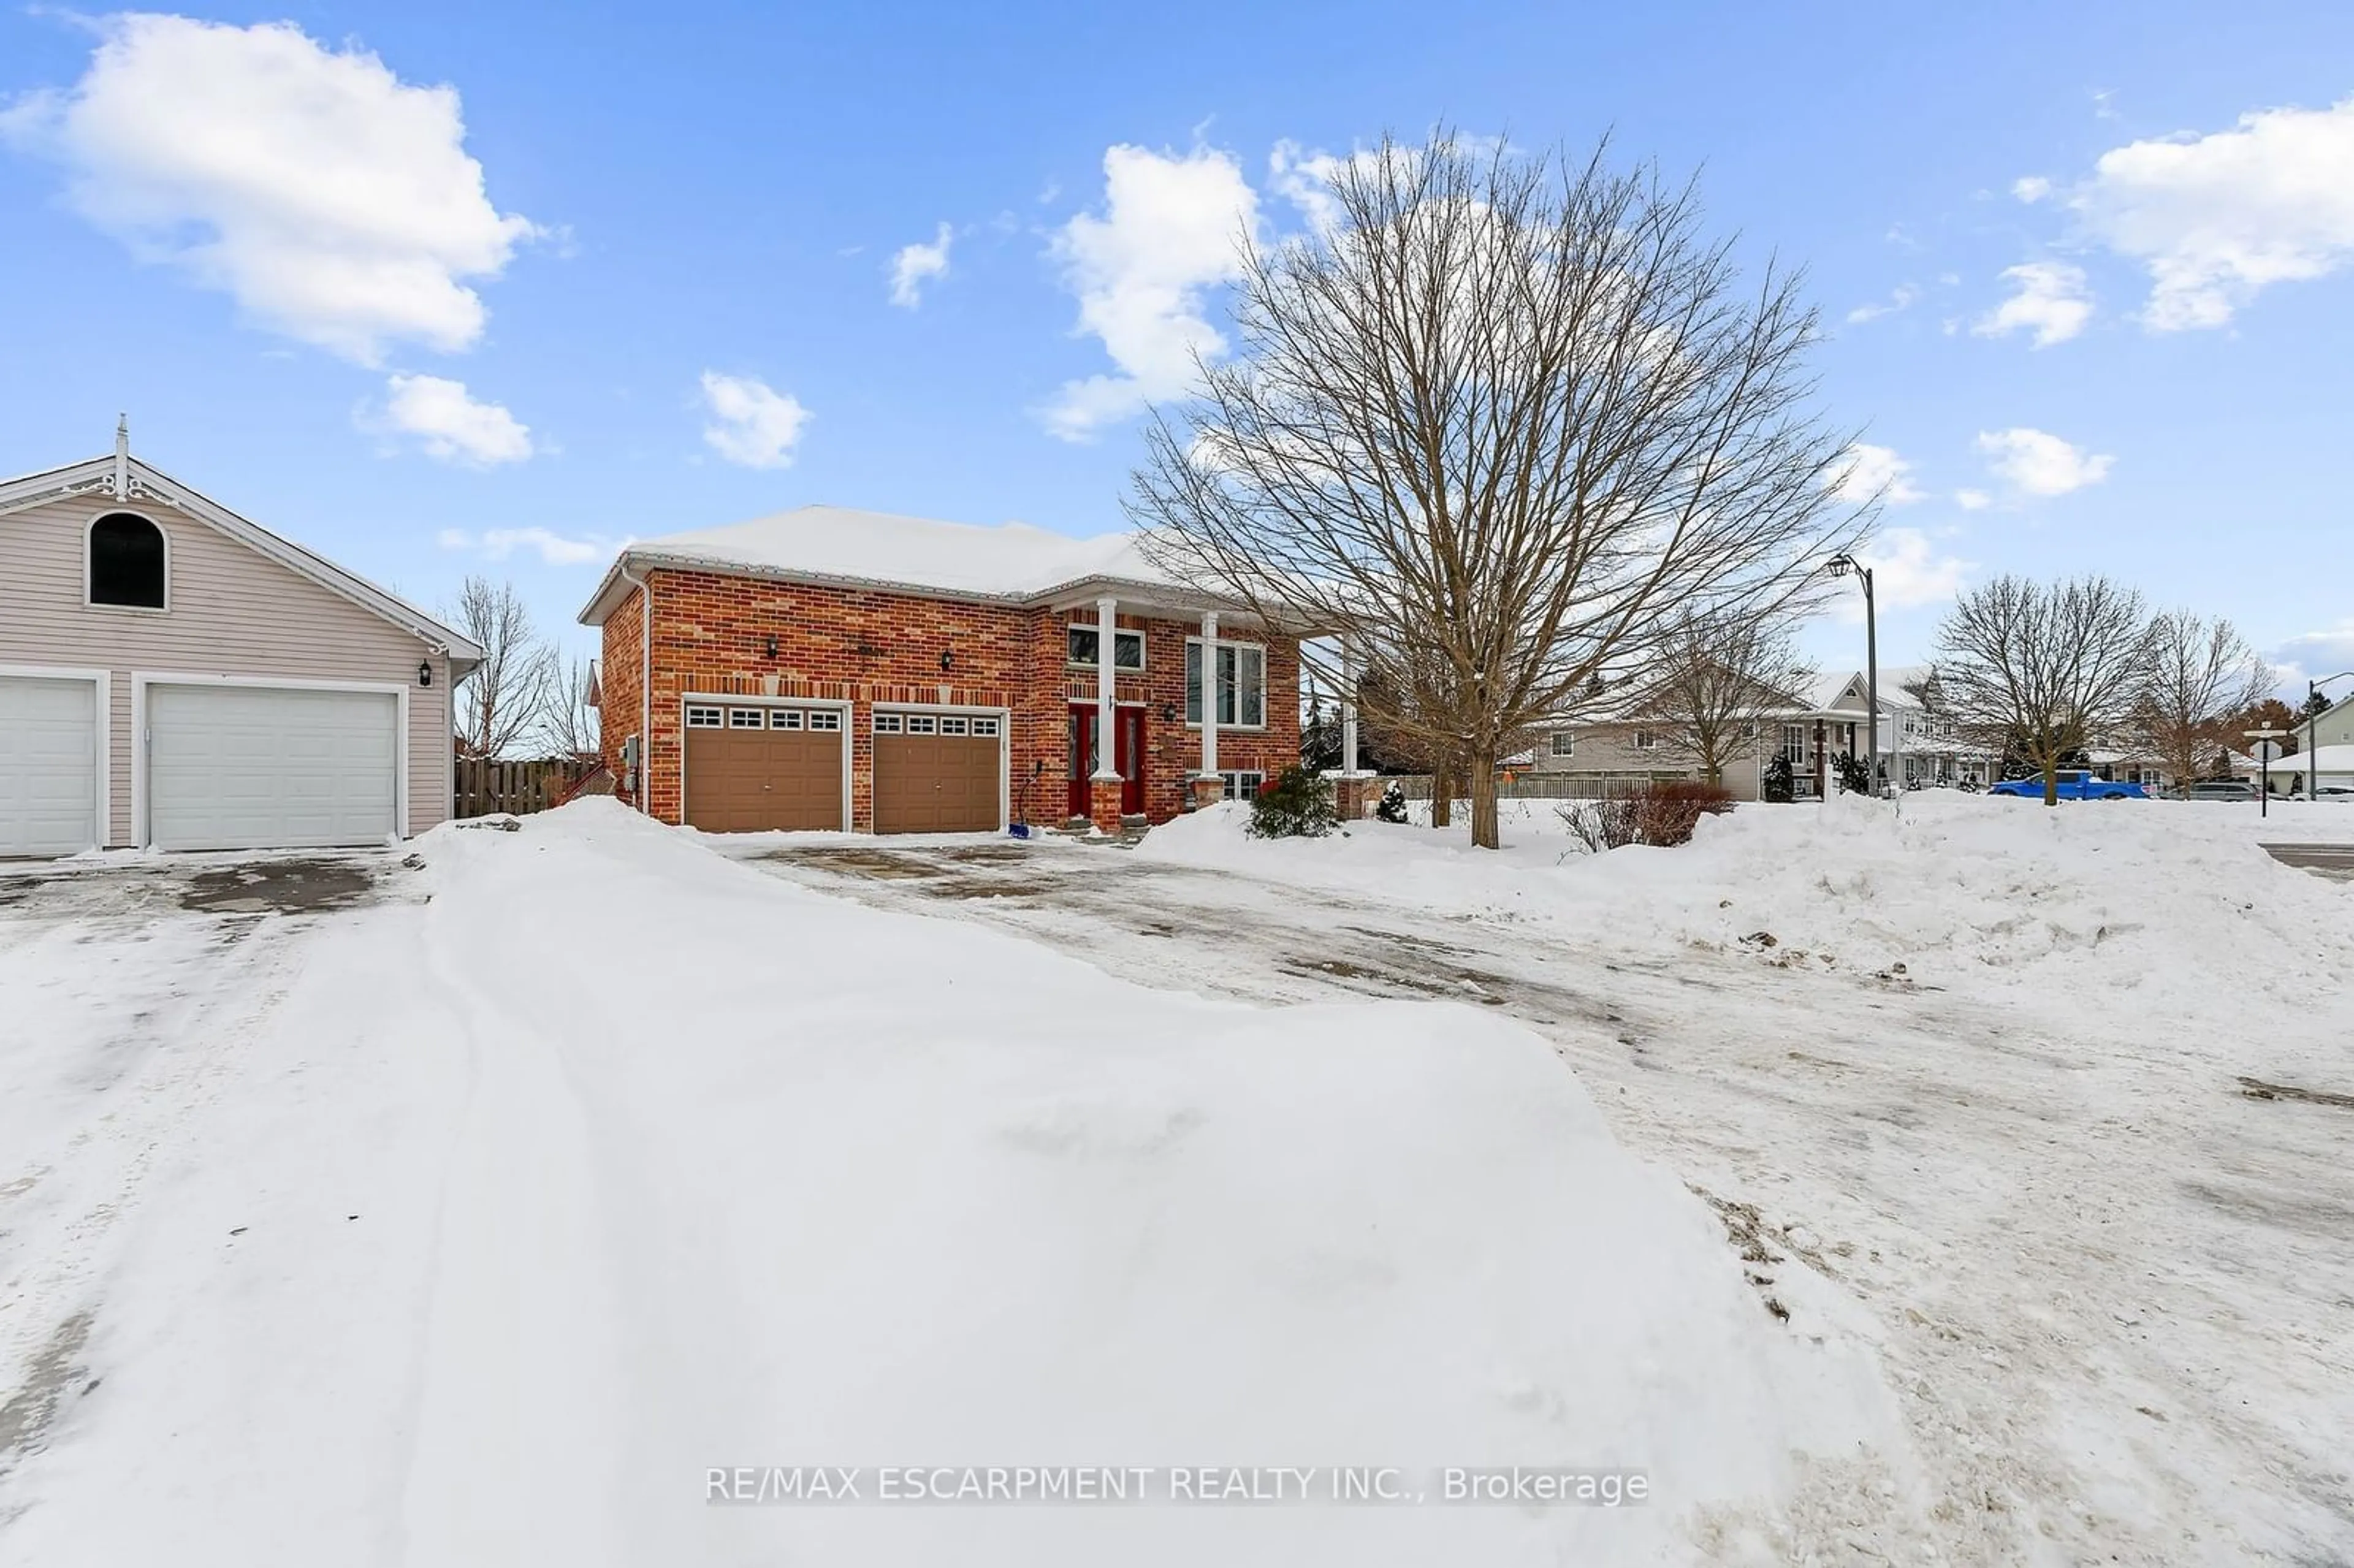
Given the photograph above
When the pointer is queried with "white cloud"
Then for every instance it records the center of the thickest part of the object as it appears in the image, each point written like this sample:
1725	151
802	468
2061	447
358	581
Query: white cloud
333	201
1972	500
917	264
752	423
2317	653
1876	470
2218	219
2039	464
1897	299
449	423
2030	187
1167	236
1907	572
2051	302
498	544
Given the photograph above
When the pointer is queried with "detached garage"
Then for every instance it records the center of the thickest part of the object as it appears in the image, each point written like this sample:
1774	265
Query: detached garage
174	675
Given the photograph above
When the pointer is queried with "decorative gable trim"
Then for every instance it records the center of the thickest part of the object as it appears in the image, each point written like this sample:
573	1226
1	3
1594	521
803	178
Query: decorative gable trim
127	479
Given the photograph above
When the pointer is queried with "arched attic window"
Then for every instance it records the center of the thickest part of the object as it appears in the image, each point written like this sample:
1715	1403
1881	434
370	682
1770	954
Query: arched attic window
126	562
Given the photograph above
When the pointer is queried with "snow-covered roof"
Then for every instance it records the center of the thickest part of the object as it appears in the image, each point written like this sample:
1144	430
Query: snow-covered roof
2321	759
1010	561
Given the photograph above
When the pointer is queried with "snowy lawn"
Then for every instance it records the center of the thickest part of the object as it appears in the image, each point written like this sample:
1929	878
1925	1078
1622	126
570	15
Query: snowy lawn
482	1221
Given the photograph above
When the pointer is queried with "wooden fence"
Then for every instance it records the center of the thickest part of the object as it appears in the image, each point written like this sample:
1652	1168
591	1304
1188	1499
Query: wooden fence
484	786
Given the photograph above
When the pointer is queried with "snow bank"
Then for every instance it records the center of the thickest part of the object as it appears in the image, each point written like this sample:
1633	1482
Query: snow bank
671	1167
2153	894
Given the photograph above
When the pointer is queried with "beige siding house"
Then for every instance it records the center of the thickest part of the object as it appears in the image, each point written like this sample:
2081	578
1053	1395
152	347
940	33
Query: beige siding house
172	674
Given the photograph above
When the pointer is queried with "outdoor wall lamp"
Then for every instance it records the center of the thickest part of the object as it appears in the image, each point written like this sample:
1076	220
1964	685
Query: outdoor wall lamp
948	658
425	672
771	645
1168	713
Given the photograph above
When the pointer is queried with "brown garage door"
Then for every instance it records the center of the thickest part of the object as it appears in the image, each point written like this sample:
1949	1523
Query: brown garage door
935	773
751	770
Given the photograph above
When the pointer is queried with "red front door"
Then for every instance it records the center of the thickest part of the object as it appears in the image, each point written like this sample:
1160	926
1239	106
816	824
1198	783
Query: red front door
1127	754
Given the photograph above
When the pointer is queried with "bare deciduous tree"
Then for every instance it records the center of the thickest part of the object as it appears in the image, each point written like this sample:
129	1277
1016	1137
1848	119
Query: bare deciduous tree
2202	675
506	698
570	726
1714	684
1501	420
2043	669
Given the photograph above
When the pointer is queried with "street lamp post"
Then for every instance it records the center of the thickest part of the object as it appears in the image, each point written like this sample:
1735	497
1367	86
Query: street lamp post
1840	565
2313	732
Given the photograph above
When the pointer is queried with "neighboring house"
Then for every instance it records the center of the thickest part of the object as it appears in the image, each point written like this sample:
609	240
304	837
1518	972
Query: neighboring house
2333	765
2332	726
832	669
174	675
1831	717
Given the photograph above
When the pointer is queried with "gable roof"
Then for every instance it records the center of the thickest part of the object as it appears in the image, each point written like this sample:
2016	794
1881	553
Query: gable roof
1012	563
121	477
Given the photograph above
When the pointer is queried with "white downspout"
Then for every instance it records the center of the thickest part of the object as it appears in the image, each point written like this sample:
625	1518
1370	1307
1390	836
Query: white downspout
645	690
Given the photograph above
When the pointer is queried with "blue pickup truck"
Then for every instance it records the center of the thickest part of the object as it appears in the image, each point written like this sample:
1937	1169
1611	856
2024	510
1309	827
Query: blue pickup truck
2075	784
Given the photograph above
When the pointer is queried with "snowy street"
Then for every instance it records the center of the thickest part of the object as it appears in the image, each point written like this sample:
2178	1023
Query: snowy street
475	1210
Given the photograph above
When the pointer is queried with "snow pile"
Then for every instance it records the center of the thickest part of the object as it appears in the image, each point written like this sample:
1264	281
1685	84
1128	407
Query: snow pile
2150	894
656	1166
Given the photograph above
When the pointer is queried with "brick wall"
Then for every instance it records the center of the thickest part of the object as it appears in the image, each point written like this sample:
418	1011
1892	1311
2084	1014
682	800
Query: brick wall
712	631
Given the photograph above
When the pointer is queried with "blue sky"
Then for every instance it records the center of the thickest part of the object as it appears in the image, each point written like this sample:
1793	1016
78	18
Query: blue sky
436	288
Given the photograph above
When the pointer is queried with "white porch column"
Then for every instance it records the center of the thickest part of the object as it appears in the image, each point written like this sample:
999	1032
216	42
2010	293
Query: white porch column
1209	694
1107	750
1349	707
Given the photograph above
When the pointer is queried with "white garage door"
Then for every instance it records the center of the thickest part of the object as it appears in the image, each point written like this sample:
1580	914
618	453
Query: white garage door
269	768
49	767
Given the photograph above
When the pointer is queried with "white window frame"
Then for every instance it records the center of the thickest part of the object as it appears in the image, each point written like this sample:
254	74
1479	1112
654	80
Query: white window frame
923	723
1073	630
890	724
1647	741
828	720
760	717
1233	779
91	528
1565	742
1197	692
706	715
789	719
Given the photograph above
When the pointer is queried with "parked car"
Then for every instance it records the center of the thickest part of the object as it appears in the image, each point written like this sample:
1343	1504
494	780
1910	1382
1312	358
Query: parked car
2075	784
2334	792
2219	789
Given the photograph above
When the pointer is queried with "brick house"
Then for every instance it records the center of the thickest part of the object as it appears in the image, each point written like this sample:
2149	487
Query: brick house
832	669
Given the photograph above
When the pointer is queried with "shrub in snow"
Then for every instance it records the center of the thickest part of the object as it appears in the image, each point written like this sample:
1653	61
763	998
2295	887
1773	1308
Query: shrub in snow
1297	804
1853	776
1390	808
1663	814
1778	784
